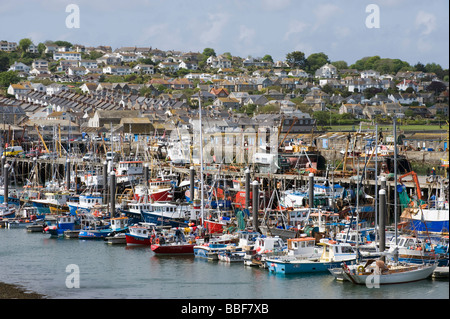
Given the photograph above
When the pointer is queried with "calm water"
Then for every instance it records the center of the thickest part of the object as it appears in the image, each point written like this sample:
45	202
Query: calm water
39	263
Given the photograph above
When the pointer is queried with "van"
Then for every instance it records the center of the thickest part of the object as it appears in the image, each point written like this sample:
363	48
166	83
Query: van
13	150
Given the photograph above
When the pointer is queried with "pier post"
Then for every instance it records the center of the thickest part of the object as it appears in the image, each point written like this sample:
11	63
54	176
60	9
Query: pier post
192	183
247	188
311	190
382	218
255	194
3	163
68	174
146	177
105	181
113	194
6	184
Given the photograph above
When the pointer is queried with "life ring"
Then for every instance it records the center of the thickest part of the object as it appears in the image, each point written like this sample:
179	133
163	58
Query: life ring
157	241
361	269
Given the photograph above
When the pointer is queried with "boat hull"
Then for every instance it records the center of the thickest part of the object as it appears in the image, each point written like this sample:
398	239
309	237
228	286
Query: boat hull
137	240
422	272
175	249
302	266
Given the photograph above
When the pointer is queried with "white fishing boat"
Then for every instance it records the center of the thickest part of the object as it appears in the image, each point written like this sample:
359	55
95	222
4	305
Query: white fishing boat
377	272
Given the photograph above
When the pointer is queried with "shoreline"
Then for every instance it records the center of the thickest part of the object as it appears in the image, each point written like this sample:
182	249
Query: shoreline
12	291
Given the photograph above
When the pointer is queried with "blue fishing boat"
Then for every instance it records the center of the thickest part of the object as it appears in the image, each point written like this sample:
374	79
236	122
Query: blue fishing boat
209	251
333	255
86	204
63	223
101	231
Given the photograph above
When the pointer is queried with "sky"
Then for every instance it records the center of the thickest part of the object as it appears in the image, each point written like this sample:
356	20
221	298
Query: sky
410	30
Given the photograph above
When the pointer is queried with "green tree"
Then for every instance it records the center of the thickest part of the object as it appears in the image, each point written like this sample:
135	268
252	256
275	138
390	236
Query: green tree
296	59
8	77
340	64
315	61
63	43
41	48
24	44
4	61
209	52
267	58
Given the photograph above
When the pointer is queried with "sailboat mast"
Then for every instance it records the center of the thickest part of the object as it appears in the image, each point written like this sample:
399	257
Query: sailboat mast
395	179
201	155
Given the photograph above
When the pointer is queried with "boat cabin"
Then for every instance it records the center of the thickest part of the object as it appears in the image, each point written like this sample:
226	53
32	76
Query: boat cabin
119	223
130	168
298	216
304	246
323	218
333	251
269	244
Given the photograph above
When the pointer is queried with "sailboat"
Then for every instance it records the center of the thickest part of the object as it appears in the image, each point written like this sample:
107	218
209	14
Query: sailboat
380	272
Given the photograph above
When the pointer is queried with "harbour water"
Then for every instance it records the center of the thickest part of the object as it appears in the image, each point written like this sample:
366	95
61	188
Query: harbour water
43	264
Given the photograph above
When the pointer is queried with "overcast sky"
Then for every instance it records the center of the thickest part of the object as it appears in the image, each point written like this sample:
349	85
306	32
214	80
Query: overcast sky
411	30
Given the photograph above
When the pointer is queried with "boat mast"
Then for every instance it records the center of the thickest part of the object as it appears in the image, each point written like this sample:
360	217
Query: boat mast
395	186
201	156
376	184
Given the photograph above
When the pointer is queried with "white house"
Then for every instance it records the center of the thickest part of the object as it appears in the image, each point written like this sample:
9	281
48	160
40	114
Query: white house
88	64
117	70
169	66
39	63
402	86
326	71
55	88
219	62
76	71
127	57
69	55
39	87
190	65
14	89
19	67
370	74
299	73
144	69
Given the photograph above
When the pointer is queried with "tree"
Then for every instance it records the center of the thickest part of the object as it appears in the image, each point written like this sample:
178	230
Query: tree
209	52
267	58
8	77
296	59
63	44
4	61
24	44
41	48
315	61
420	67
340	64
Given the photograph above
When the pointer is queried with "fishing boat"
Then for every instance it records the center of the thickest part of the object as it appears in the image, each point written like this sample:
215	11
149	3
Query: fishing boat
263	248
333	254
52	203
140	234
231	254
419	250
13	197
101	230
209	251
63	223
129	172
86	204
377	272
178	241
168	214
158	191
7	210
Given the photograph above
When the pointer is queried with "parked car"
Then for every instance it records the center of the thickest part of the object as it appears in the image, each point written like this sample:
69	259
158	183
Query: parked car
88	157
13	151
